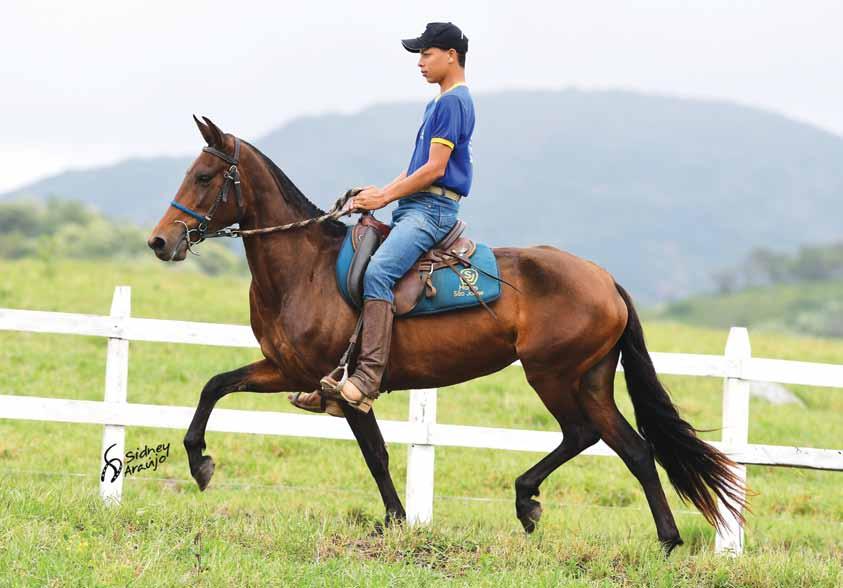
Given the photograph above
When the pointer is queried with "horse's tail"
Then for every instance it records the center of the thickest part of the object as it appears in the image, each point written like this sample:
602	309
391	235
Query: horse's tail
693	466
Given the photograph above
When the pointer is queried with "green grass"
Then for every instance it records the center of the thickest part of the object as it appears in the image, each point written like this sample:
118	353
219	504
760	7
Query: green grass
287	511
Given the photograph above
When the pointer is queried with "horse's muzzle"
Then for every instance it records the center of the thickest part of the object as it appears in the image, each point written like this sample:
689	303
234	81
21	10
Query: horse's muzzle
172	250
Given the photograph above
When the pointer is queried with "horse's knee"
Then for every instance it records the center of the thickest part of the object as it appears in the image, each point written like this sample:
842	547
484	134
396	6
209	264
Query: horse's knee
217	387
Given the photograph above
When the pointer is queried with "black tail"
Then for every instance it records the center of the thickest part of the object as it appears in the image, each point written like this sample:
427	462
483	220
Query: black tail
693	466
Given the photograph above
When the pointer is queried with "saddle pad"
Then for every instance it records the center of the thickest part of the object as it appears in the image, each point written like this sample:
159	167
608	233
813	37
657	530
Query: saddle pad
452	293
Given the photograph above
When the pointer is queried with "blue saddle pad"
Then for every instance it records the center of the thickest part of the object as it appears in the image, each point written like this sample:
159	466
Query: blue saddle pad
452	291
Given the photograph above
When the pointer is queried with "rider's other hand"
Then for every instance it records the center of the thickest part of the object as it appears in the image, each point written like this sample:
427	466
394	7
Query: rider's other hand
371	198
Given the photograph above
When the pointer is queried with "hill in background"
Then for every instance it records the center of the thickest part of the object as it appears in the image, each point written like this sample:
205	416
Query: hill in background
661	191
802	292
814	308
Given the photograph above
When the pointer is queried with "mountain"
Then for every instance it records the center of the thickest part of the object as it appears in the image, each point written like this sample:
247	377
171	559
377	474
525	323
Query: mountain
661	191
134	189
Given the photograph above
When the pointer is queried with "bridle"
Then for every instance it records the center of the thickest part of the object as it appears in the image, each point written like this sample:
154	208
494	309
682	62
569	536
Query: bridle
342	207
232	177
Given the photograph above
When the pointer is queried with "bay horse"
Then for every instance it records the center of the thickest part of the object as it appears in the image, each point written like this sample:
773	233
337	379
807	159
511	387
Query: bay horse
568	322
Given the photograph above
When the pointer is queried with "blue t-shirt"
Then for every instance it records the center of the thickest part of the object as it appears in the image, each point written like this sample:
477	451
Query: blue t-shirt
448	119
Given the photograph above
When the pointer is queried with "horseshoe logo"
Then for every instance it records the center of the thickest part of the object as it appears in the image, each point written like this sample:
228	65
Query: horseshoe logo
109	463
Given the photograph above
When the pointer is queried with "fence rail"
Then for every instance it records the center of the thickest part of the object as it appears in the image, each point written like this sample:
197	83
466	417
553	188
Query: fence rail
421	432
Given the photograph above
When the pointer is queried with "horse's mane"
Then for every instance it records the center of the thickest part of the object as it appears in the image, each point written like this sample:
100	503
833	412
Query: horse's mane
297	199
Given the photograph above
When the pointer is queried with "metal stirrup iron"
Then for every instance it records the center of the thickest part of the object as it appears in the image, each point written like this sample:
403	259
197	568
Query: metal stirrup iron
345	360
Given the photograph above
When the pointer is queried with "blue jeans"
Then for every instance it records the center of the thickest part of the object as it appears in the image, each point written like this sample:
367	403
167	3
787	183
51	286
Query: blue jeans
418	223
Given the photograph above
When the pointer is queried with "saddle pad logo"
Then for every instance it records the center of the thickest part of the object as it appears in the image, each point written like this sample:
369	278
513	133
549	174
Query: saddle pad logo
468	277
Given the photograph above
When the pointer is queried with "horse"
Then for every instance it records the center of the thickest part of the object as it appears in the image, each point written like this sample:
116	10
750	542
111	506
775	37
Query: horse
566	320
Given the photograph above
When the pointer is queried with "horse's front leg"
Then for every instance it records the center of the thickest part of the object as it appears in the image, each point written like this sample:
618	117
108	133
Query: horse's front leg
369	438
261	376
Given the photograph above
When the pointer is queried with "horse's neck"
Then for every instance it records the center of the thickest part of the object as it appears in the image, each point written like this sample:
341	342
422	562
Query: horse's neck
284	262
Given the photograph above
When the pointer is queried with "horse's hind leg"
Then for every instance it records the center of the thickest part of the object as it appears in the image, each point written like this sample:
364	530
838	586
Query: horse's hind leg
261	376
578	435
369	438
576	439
597	400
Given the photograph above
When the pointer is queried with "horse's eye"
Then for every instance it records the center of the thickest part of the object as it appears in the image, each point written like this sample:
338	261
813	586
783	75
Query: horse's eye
203	178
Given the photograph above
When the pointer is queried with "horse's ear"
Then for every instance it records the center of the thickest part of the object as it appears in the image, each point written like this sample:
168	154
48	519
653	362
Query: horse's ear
216	132
207	134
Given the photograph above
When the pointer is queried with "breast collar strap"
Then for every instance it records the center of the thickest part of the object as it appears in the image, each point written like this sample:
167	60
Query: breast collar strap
232	177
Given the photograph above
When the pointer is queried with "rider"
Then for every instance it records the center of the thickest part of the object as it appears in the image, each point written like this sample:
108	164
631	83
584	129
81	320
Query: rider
438	176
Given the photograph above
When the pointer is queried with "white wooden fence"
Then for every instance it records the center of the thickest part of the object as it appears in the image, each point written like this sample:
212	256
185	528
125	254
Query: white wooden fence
421	433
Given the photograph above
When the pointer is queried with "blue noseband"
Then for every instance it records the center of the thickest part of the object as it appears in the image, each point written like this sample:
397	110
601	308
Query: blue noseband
187	210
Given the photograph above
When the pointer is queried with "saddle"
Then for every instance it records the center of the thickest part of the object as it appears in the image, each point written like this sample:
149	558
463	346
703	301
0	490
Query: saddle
417	283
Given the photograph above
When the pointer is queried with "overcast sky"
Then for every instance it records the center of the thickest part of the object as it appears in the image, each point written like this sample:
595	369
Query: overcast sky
84	83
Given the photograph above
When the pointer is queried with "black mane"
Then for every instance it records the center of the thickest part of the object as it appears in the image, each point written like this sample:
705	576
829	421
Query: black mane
297	199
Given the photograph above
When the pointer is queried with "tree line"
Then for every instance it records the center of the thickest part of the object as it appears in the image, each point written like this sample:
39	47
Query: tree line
765	267
58	228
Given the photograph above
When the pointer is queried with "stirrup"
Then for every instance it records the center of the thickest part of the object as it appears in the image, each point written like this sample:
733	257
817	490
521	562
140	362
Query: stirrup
326	405
331	387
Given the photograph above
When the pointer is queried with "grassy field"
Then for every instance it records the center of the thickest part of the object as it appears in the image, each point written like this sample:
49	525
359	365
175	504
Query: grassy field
287	512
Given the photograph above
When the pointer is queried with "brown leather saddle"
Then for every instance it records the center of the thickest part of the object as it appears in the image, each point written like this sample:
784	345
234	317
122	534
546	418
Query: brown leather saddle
369	233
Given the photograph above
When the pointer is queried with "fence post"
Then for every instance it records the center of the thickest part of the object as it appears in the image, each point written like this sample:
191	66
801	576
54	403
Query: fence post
116	378
730	539
420	459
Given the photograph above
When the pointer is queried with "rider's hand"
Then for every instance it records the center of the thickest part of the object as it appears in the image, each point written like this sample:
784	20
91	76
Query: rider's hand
371	198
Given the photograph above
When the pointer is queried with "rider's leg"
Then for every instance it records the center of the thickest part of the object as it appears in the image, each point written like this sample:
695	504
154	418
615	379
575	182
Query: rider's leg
415	230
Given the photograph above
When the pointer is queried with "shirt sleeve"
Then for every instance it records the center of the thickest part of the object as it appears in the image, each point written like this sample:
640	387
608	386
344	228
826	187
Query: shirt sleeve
447	122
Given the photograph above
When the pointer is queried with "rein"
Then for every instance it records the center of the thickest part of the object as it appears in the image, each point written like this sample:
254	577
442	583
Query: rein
342	207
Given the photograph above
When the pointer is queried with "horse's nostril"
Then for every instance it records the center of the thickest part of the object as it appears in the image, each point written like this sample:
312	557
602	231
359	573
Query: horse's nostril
156	243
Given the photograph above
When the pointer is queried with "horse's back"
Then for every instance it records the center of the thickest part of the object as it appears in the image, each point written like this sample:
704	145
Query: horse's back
549	269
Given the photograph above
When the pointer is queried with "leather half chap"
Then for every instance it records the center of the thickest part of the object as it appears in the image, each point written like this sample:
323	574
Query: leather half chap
378	316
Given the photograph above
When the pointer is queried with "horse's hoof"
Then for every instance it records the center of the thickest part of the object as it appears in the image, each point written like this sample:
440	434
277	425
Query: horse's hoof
671	544
394	519
531	517
204	472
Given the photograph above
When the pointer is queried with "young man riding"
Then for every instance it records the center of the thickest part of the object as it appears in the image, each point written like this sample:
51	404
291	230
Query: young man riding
438	176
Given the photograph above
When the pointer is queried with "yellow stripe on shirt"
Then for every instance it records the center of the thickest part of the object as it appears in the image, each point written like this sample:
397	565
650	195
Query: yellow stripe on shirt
448	90
443	141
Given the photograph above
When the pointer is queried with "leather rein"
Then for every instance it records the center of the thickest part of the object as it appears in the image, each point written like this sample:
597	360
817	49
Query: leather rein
342	207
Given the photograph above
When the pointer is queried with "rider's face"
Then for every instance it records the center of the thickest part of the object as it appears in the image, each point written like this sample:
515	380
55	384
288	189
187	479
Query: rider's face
433	63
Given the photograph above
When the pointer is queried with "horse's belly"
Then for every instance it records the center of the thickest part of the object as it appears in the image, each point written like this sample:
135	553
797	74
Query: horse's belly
447	349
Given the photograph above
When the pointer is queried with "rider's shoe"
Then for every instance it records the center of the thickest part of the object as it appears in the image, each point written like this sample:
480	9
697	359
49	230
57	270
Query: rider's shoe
316	402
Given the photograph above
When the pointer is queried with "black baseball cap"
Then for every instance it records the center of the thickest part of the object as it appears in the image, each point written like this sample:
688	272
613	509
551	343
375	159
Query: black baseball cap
444	35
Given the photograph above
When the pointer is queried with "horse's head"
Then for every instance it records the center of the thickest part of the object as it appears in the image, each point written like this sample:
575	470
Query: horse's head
208	199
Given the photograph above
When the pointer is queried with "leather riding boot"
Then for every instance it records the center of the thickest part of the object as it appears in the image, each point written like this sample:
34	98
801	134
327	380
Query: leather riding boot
363	386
